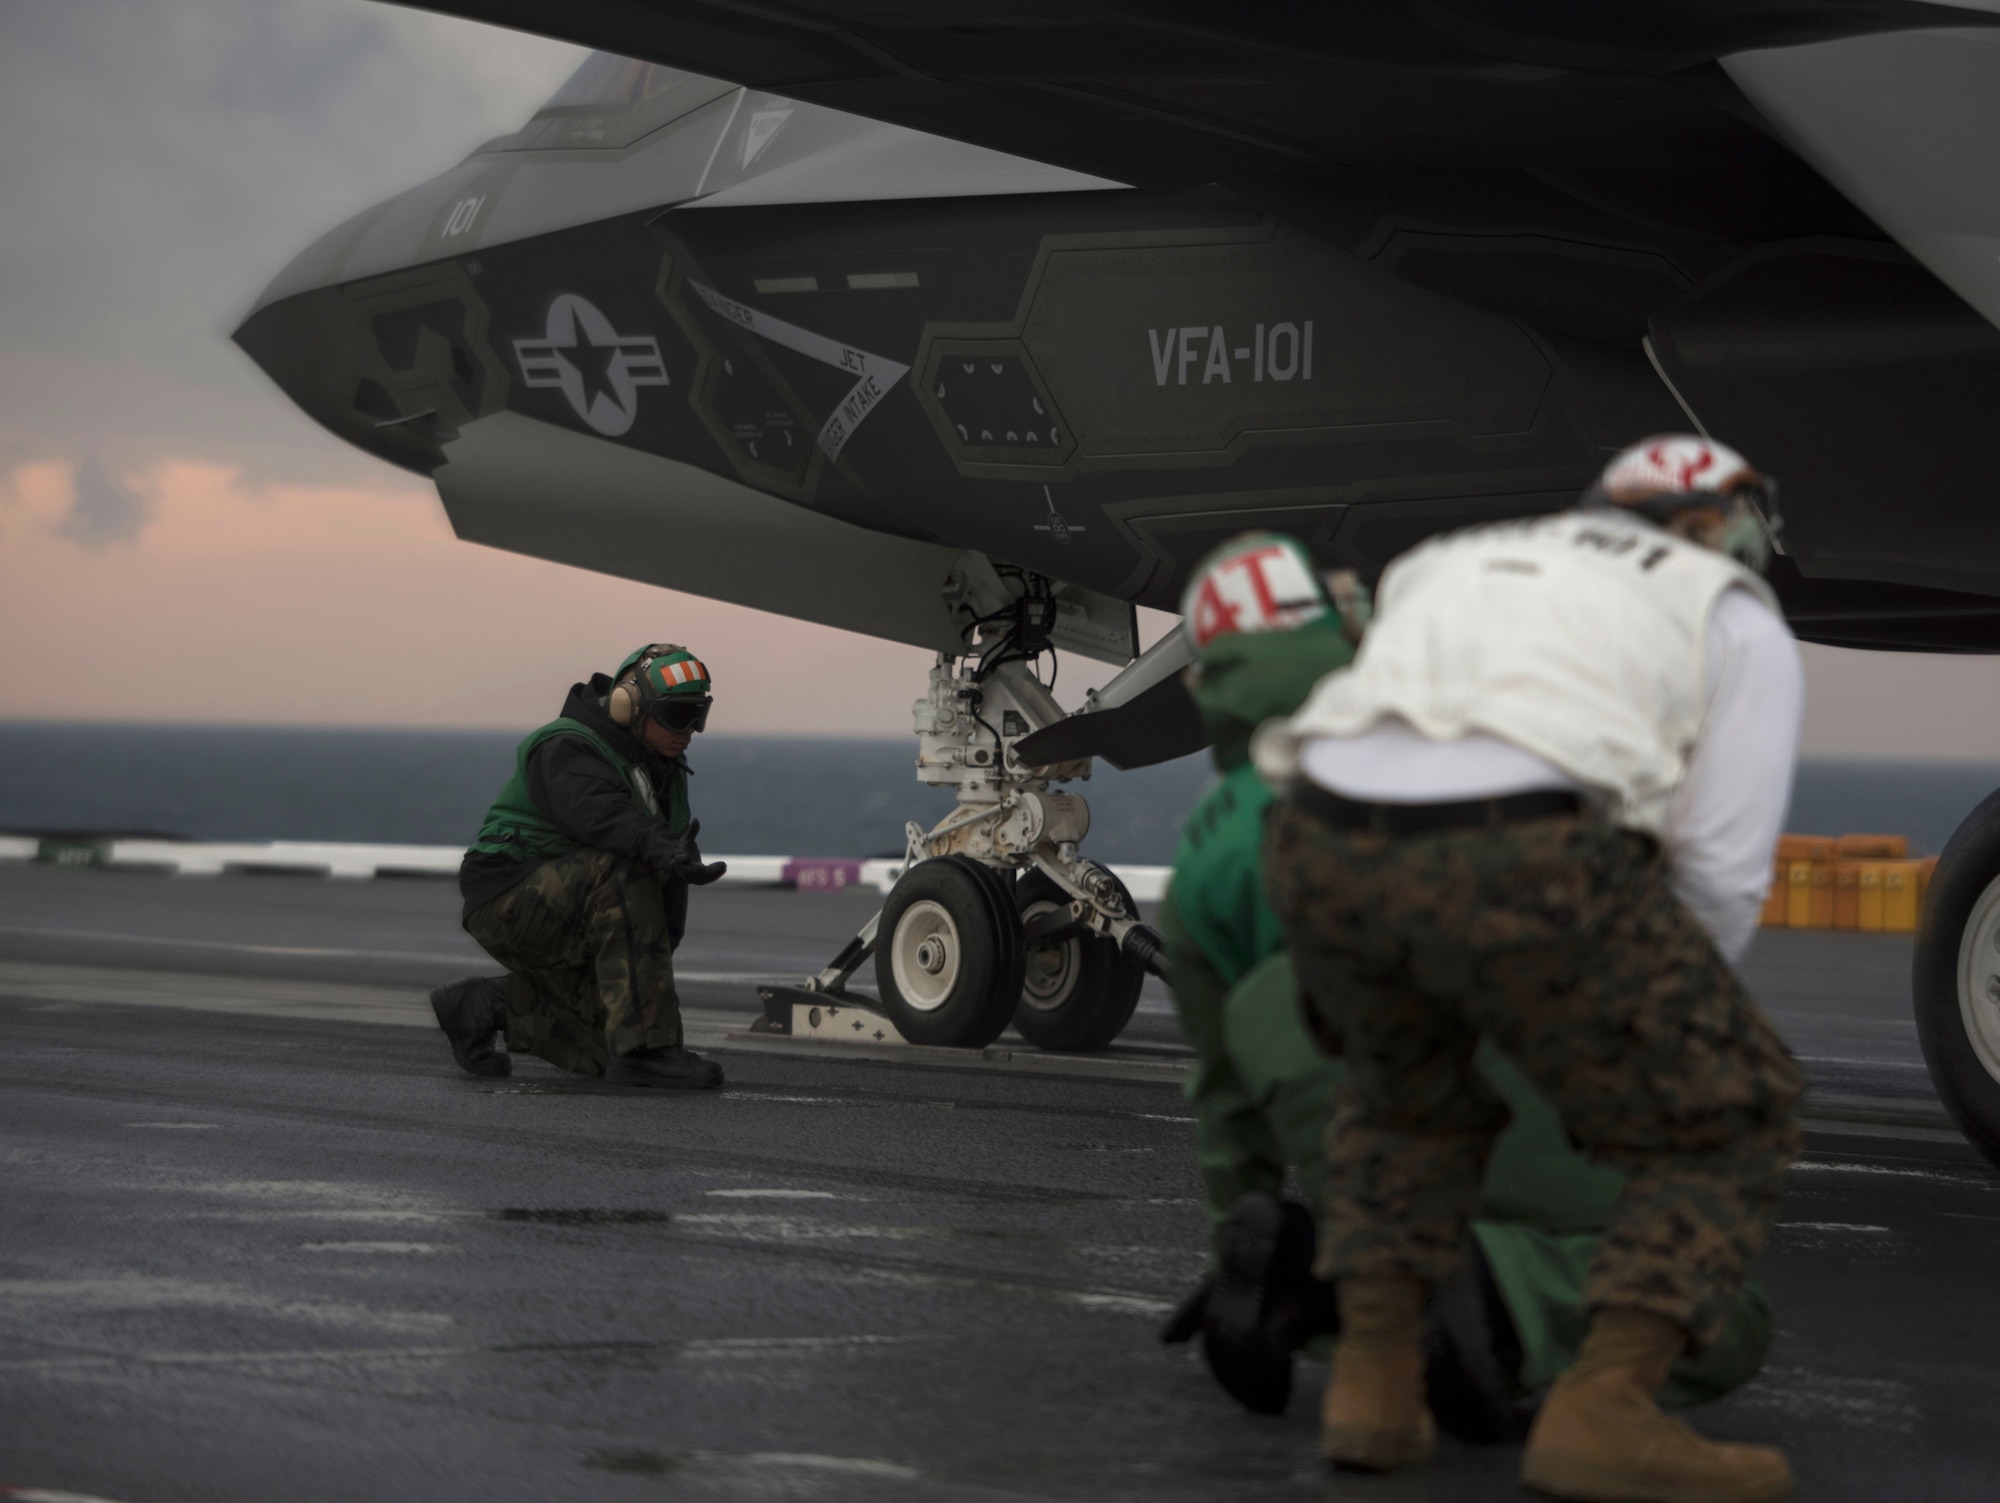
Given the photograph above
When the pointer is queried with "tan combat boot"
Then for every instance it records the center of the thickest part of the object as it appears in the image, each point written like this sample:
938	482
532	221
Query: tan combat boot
1601	1437
1375	1417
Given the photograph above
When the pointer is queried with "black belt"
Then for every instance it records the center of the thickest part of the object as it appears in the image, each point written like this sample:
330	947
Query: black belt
1415	819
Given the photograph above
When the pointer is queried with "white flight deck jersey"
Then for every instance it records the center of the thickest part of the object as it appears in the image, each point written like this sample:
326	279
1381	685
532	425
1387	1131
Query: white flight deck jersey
1577	637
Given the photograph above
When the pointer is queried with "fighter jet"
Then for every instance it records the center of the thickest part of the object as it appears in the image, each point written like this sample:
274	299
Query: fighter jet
972	327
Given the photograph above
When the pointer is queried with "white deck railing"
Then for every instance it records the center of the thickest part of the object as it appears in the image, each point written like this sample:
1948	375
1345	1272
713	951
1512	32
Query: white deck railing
190	858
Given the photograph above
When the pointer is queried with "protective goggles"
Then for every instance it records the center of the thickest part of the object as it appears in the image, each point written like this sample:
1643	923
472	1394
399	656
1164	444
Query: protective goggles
1752	525
682	712
1750	532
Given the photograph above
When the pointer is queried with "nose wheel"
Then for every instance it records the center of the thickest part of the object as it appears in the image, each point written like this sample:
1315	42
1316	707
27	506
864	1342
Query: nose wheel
948	954
1078	989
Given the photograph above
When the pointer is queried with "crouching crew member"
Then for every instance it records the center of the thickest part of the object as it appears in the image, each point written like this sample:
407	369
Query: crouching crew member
578	885
1264	631
1541	808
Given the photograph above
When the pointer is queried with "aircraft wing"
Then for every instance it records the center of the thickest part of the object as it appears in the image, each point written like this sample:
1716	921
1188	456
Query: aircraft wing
1616	104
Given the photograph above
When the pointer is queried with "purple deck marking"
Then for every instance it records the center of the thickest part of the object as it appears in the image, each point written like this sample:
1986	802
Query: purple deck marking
821	874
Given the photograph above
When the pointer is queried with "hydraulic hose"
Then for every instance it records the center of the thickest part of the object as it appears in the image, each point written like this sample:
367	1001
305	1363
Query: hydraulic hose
1143	944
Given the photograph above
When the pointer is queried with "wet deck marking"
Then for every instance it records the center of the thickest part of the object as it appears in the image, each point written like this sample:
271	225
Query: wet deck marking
777	1195
177	1126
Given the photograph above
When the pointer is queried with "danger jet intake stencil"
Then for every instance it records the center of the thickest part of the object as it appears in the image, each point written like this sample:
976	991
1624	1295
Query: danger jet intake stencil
874	374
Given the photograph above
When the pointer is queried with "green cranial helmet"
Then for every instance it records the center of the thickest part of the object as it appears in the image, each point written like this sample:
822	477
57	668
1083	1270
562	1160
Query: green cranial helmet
1265	627
665	682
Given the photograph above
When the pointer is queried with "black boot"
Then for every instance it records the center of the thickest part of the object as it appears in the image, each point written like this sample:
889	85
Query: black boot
1472	1355
1256	1314
677	1069
1185	1322
471	1012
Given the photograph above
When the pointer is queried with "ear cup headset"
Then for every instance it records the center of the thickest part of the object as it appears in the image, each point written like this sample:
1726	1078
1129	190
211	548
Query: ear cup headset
663	682
623	704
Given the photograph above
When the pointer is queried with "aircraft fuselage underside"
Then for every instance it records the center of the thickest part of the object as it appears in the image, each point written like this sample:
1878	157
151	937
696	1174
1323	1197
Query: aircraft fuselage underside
1094	386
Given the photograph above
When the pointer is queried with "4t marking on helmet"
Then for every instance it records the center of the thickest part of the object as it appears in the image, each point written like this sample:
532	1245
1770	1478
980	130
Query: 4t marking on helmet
1265	581
665	682
1260	582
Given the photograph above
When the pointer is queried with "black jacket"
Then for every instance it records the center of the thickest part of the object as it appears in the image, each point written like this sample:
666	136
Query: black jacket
588	797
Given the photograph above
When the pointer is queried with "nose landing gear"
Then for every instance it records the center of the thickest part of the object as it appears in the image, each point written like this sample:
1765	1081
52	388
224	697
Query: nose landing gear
996	917
1080	989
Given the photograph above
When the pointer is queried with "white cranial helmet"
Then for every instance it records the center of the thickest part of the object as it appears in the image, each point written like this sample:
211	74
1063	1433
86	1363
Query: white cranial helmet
1672	473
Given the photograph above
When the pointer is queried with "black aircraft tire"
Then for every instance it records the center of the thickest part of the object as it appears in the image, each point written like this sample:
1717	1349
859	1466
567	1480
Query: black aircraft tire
958	992
1000	890
1956	978
1079	994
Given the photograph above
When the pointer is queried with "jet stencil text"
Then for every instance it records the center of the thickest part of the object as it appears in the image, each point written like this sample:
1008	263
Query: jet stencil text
1203	353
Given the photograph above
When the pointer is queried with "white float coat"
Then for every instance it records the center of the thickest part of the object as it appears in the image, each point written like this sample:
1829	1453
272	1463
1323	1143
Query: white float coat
1724	823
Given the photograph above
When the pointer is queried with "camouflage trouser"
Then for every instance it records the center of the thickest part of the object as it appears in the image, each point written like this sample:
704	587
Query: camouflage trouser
1561	940
589	957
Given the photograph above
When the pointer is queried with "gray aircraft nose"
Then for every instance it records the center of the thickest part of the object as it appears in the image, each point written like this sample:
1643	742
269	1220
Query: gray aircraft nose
373	329
376	329
396	372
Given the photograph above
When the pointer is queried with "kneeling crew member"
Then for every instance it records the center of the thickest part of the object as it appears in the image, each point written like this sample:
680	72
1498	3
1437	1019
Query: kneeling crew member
578	885
1541	807
1264	632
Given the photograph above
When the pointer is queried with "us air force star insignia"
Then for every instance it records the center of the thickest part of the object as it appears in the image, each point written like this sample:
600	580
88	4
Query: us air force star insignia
597	369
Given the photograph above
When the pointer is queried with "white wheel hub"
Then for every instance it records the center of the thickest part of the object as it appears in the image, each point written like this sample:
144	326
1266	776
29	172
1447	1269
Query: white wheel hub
1979	978
926	955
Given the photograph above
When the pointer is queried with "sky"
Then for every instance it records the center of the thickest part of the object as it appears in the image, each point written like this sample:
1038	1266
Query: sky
178	542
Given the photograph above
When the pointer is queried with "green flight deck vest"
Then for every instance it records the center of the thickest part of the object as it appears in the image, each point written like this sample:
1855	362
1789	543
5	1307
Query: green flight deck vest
1218	881
518	826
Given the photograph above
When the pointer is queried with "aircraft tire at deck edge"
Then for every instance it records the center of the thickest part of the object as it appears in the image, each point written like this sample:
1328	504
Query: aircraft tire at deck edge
1955	977
948	958
1077	995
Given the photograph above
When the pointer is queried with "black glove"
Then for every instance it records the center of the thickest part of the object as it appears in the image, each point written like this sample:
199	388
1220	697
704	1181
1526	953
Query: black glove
687	863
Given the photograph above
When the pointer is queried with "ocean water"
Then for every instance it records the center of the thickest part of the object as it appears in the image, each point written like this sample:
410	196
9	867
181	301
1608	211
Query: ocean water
753	795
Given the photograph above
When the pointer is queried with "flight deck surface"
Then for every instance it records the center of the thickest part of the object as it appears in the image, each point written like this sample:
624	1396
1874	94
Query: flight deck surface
263	1241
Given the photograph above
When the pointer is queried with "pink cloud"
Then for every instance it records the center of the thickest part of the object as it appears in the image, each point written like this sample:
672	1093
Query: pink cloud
354	605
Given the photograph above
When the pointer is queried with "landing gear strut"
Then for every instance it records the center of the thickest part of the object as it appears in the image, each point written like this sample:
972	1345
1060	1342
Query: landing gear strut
996	918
